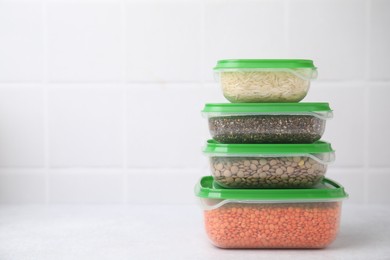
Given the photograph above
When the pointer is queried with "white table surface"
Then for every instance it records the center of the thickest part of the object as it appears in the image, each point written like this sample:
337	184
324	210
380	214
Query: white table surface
164	232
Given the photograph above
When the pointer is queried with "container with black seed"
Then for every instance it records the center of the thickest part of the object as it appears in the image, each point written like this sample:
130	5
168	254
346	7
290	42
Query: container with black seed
287	166
251	123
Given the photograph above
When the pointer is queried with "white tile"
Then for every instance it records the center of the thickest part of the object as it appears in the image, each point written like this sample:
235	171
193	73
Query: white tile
353	182
380	39
346	129
84	41
86	126
162	186
332	33
379	139
212	93
378	187
22	126
243	29
86	188
163	41
21	44
165	127
22	188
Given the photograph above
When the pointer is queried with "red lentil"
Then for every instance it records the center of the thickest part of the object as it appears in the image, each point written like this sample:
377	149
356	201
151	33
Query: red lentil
280	225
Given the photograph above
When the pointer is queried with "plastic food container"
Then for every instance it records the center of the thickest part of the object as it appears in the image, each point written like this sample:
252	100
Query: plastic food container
265	80
267	122
251	166
301	218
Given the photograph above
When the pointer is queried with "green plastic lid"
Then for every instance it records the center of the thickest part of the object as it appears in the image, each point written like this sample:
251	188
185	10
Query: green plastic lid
305	107
271	64
326	190
214	148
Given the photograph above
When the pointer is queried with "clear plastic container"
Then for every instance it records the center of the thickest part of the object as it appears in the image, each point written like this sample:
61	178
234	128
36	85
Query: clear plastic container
268	166
306	218
256	81
267	122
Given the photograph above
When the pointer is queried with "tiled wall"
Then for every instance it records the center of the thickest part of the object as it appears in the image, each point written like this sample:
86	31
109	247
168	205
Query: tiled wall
100	100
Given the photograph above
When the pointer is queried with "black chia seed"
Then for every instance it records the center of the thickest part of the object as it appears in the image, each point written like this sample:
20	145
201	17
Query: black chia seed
266	129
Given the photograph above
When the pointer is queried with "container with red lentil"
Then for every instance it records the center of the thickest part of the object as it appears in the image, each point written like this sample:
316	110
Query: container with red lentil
267	122
284	218
272	166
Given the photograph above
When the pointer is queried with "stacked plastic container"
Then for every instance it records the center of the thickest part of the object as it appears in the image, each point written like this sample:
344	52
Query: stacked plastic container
267	187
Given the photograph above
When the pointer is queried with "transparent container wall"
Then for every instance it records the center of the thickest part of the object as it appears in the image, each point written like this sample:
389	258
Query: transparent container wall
273	225
267	172
254	129
265	85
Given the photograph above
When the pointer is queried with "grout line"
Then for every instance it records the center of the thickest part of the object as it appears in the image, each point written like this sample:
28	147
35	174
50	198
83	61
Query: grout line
125	144
123	41
103	171
153	83
102	82
125	105
45	44
20	81
62	171
155	171
287	27
367	57
366	117
202	41
367	103
365	81
46	101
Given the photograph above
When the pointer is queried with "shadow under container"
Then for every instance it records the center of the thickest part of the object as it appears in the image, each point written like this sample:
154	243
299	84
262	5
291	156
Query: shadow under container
267	122
268	166
259	80
300	218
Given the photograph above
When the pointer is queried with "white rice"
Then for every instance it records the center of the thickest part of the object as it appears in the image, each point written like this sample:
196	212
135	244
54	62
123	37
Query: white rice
264	86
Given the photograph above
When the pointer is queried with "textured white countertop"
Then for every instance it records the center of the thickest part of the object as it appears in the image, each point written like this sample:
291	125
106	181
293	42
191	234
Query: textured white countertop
164	232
